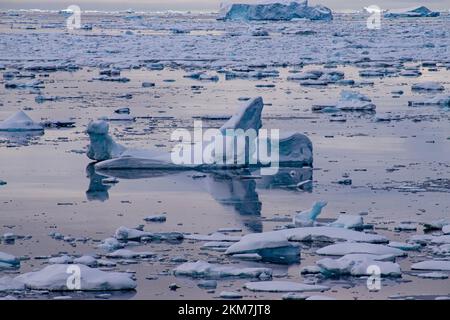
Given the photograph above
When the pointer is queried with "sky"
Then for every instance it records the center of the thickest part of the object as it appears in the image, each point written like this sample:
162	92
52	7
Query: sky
206	5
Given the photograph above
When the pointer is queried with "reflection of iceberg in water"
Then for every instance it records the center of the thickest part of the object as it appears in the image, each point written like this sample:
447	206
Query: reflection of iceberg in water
97	190
230	190
20	138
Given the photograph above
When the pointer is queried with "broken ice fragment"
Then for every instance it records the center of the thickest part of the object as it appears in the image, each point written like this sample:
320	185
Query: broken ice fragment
307	218
283	286
341	249
20	121
202	269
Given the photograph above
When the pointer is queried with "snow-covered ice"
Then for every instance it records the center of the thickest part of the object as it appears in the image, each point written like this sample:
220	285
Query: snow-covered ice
283	286
20	121
341	249
203	269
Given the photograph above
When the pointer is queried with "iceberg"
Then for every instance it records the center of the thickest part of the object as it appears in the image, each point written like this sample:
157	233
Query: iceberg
348	221
275	11
8	261
416	12
8	284
307	218
283	286
294	149
342	249
203	269
428	86
55	278
357	265
20	121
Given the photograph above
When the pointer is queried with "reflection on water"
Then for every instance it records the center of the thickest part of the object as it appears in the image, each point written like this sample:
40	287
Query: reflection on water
231	188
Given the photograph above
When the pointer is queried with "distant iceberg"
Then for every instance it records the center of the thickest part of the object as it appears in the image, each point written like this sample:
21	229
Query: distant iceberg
20	121
421	11
284	10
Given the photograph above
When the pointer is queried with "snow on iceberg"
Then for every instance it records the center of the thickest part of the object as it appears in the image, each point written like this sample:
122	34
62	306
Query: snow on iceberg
283	286
203	269
20	121
274	10
8	261
416	12
307	218
54	278
357	265
342	249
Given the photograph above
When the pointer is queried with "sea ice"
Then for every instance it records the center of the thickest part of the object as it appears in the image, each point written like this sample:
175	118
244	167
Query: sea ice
433	265
55	278
348	222
129	254
8	261
428	86
8	284
202	269
416	12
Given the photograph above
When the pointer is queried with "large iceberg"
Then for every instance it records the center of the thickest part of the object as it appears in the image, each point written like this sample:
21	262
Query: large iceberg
421	11
275	11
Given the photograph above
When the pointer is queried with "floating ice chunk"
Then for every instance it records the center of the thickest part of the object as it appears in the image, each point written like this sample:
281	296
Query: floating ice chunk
20	121
446	230
283	286
341	249
102	146
437	224
274	10
416	12
348	222
295	149
428	86
55	278
357	265
354	101
207	284
406	227
86	260
421	238
435	265
8	284
439	100
330	234
110	244
443	250
293	296
8	261
230	295
129	254
35	84
124	233
404	246
308	217
441	239
64	259
433	275
202	269
156	218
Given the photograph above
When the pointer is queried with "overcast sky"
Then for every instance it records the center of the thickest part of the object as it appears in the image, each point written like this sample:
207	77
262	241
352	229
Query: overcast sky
210	5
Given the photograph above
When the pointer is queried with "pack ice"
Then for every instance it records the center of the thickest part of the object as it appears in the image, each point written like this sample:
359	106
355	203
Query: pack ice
271	10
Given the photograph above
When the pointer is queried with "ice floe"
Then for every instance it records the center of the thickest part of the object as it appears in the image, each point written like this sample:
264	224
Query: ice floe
203	269
55	278
341	249
428	86
416	12
307	218
283	286
432	265
348	222
8	261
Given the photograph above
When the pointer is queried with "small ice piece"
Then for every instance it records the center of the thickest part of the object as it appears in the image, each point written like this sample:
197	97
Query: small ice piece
432	265
124	233
310	270
64	259
129	254
8	284
110	244
203	269
248	256
293	296
439	100
428	86
446	229
156	218
341	249
404	246
441	239
348	222
354	101
406	227
357	265
216	237
2	182
307	218
20	121
230	295
283	286
443	250
8	261
433	275
54	278
207	284
274	10
86	260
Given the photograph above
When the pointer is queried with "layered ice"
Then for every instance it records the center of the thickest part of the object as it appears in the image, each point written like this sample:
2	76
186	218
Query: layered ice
8	261
203	269
274	10
20	121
